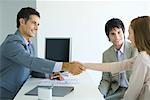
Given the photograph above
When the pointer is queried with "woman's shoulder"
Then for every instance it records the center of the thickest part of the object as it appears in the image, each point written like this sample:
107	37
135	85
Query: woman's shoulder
144	57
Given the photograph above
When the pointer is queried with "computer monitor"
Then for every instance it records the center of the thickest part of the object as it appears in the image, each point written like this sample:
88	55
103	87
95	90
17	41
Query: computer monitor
58	49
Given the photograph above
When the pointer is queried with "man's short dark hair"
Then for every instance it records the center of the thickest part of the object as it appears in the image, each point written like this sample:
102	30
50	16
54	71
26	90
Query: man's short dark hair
112	23
26	13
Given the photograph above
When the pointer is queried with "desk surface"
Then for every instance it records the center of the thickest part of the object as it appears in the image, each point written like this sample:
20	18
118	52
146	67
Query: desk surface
85	90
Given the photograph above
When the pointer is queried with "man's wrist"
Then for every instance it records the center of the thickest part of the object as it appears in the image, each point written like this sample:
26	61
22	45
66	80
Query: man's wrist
65	66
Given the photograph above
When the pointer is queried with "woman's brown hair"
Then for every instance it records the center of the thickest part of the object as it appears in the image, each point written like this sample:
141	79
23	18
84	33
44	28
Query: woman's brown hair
141	28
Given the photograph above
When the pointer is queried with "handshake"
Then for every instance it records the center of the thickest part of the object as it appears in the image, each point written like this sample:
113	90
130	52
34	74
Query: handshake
74	68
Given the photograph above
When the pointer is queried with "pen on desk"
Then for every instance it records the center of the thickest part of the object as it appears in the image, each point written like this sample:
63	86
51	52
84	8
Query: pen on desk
64	74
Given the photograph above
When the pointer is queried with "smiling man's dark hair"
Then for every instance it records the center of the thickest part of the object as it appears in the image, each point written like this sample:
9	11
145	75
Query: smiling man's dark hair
26	13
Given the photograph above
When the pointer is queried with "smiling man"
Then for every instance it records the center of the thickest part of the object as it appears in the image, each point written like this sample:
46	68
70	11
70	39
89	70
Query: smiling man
17	57
113	86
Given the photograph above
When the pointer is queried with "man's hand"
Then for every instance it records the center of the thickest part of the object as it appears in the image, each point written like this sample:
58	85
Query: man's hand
56	75
74	68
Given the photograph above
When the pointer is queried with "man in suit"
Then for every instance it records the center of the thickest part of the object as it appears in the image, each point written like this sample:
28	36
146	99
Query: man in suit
113	86
17	56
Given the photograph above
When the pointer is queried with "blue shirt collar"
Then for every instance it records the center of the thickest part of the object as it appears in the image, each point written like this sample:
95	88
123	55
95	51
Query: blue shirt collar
23	39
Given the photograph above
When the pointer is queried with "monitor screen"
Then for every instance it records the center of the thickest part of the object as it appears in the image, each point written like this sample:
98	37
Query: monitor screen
58	49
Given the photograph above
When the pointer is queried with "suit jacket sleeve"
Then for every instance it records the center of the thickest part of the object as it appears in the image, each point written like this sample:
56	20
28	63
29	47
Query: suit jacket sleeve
16	52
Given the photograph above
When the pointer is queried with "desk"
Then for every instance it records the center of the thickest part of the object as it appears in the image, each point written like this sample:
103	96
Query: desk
85	90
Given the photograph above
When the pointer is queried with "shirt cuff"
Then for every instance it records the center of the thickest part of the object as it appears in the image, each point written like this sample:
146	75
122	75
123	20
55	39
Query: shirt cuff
58	66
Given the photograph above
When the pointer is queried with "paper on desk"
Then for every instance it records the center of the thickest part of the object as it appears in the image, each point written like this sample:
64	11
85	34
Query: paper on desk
68	80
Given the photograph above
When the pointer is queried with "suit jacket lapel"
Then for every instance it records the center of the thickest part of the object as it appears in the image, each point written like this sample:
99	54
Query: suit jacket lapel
24	44
127	51
112	57
112	53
